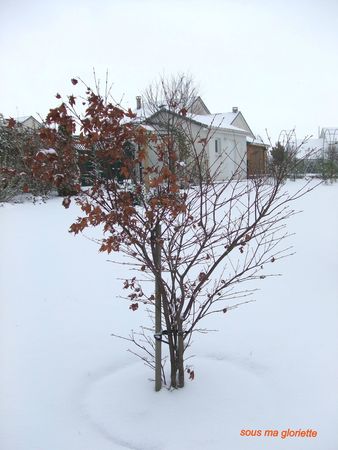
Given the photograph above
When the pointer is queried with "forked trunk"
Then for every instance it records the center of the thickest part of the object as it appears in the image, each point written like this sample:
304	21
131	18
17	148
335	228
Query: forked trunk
176	349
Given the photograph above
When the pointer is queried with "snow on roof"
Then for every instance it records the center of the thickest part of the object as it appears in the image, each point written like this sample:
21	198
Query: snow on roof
218	120
222	120
312	148
258	140
22	118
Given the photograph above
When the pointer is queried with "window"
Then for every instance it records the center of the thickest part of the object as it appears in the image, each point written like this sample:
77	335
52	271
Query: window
217	146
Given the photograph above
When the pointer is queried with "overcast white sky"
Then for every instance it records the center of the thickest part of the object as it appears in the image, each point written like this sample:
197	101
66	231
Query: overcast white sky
276	60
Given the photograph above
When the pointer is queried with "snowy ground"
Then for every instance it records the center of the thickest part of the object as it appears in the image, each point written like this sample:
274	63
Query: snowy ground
66	384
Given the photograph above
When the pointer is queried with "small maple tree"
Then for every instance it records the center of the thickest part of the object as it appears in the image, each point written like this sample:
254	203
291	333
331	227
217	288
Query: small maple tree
197	238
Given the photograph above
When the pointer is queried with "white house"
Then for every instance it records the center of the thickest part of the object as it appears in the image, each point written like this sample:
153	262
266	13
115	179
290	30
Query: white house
225	134
25	121
29	122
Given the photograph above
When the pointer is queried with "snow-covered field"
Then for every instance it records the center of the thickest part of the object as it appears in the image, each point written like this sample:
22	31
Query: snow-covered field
66	384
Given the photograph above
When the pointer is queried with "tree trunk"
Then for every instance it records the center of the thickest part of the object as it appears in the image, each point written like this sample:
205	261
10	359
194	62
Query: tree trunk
180	352
173	367
158	312
176	349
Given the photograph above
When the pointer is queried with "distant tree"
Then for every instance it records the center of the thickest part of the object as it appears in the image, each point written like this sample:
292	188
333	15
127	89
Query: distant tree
198	243
167	103
176	94
18	146
278	154
330	163
286	158
281	160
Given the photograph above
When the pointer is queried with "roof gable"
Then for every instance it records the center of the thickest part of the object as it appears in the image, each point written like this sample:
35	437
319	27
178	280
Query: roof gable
239	122
28	122
198	107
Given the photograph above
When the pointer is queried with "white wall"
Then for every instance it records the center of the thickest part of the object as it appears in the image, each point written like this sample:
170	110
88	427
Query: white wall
231	158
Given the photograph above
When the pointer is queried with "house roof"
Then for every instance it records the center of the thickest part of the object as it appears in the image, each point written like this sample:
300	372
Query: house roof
23	119
207	120
223	120
312	148
257	140
219	121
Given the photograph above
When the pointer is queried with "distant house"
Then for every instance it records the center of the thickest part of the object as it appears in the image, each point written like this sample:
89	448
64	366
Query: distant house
318	148
230	141
29	122
320	155
312	148
26	122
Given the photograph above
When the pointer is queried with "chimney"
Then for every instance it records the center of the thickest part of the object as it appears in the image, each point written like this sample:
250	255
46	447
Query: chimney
235	109
138	102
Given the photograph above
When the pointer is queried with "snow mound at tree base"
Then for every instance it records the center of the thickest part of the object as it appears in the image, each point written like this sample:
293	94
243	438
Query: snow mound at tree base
209	413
